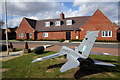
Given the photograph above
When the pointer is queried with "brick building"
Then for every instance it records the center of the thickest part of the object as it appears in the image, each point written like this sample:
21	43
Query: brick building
68	28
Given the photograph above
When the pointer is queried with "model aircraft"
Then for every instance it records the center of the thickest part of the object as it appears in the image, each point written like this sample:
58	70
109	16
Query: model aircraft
80	56
40	49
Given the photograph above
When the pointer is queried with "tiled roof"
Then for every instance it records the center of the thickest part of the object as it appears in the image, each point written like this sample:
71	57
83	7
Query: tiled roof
31	22
77	23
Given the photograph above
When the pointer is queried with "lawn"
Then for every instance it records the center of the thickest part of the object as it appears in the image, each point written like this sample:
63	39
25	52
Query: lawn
22	67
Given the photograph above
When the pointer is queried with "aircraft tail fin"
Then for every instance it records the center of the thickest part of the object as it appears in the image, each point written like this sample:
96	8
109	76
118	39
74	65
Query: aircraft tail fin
85	47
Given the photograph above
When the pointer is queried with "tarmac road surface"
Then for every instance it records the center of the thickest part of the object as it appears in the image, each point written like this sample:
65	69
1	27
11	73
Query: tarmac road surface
112	48
98	45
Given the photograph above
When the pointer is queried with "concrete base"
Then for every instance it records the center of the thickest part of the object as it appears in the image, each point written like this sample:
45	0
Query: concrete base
66	41
11	49
26	51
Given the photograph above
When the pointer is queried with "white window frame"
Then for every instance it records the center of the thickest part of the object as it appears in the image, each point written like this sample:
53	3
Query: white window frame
69	22
30	34
106	33
47	24
45	34
21	35
57	23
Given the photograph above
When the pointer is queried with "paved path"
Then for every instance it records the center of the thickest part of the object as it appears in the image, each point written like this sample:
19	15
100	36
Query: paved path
98	47
4	56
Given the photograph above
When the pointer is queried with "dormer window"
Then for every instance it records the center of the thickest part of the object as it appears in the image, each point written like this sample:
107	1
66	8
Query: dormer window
69	22
47	24
57	23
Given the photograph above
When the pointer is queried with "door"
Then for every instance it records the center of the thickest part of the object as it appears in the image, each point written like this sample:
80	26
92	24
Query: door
118	36
27	35
68	35
35	35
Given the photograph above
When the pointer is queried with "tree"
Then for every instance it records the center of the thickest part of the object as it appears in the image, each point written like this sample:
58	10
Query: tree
1	23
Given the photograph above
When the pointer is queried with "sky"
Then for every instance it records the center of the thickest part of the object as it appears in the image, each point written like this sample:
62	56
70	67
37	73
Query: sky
50	9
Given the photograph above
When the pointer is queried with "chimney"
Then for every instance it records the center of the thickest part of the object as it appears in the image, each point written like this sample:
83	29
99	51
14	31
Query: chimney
61	16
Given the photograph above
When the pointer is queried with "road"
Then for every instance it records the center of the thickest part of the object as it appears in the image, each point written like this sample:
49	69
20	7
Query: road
112	48
99	45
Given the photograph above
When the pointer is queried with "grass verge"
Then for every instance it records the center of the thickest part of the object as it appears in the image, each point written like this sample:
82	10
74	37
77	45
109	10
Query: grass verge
22	67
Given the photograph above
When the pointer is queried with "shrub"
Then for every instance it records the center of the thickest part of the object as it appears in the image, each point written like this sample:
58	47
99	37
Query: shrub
25	39
39	39
75	40
46	40
3	47
61	40
30	40
21	39
106	41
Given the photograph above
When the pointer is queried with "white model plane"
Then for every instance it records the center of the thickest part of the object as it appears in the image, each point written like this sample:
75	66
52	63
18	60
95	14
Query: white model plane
79	56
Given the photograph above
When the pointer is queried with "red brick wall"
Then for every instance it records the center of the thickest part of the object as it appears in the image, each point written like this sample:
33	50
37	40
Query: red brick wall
24	28
74	34
52	35
99	22
58	35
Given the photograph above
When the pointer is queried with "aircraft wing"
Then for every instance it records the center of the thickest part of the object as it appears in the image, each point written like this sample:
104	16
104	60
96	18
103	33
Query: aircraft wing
48	57
98	53
102	63
71	63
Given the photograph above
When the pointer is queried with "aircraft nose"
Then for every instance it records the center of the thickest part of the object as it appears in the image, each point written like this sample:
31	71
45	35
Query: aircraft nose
64	47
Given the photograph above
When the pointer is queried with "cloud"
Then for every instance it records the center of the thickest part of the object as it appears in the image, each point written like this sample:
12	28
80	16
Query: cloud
110	9
117	22
32	8
63	0
95	1
48	10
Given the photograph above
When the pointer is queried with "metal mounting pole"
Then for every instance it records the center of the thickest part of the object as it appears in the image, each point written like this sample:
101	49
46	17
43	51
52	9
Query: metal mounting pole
6	27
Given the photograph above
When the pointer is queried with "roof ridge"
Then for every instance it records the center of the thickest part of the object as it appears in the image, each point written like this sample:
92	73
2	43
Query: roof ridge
30	19
64	18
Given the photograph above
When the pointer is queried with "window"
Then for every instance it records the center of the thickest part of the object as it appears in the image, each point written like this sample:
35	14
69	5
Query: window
76	37
57	23
106	33
21	35
47	24
69	22
45	34
30	34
